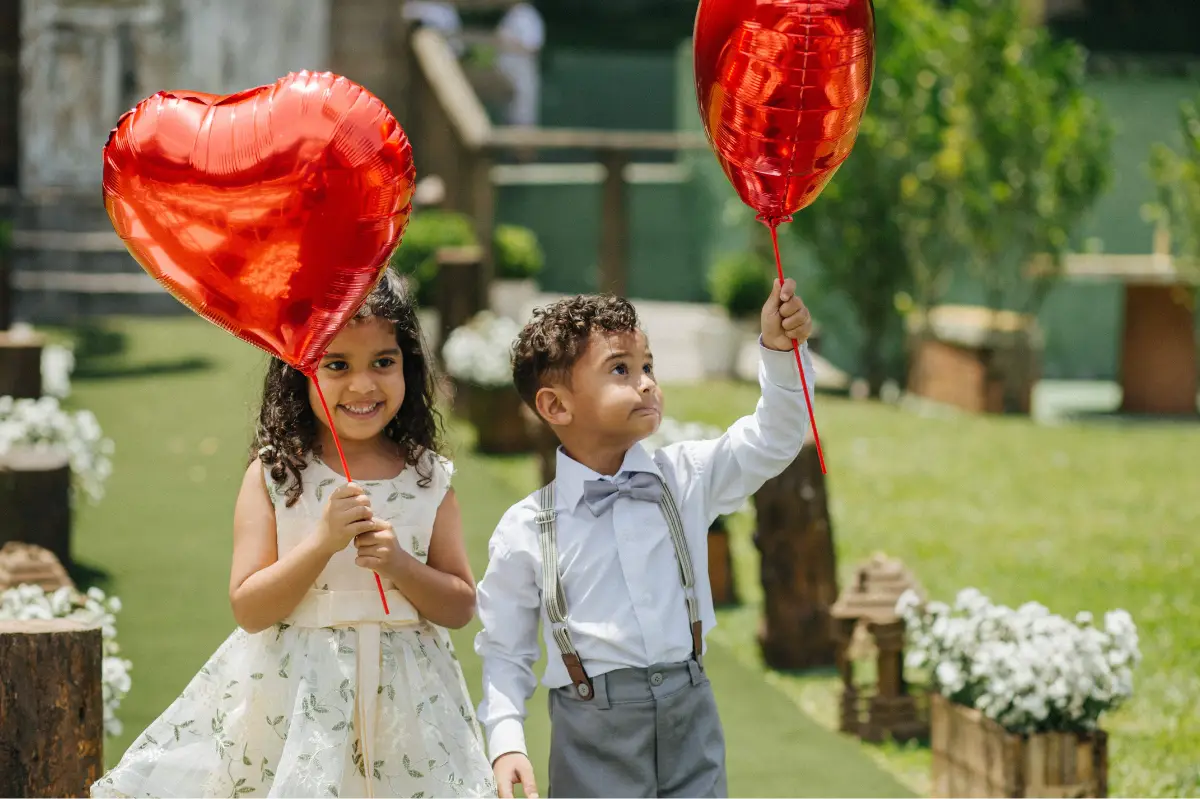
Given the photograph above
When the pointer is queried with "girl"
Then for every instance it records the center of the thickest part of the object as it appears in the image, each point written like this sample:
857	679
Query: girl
319	693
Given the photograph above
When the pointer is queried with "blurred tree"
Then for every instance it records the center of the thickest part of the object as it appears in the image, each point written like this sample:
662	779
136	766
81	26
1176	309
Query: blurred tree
892	219
1040	154
1177	176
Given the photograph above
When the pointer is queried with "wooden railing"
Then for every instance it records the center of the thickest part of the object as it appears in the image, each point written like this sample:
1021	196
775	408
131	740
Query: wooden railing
454	138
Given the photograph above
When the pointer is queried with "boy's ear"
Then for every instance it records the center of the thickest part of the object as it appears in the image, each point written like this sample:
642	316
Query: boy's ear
554	406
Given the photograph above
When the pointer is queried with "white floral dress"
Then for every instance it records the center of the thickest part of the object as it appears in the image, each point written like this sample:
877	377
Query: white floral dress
286	712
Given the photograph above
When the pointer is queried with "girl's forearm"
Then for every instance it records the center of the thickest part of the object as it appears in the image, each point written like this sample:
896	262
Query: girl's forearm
269	595
444	599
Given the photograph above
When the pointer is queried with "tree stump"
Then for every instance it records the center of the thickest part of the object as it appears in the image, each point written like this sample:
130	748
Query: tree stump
497	415
459	287
799	567
720	565
35	500
52	706
21	365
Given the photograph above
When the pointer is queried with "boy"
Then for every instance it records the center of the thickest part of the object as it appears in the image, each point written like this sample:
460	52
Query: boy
612	557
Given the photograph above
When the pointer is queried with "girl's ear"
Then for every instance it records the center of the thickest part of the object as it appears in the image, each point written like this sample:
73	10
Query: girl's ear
554	406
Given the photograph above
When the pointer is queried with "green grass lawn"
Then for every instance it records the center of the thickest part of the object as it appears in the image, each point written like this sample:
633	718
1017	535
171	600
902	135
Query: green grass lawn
1082	517
179	403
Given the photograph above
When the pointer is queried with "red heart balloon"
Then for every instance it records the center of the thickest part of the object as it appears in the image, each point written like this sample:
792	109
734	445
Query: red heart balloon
782	85
271	212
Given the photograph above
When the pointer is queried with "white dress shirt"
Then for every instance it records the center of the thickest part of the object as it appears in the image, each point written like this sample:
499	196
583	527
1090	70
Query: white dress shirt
625	602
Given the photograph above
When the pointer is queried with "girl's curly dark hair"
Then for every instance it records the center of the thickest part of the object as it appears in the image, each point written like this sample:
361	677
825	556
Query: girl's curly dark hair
287	424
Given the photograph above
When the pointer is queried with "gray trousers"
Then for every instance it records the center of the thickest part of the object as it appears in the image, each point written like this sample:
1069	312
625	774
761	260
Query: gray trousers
646	733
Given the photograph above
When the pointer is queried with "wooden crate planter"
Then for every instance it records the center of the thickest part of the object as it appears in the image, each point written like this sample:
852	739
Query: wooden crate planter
974	359
975	756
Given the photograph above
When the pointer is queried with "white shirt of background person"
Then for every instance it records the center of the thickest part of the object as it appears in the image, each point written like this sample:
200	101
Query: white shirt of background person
442	17
522	33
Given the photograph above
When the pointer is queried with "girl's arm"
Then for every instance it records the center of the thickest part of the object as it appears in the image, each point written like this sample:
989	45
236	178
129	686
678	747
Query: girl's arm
443	589
262	588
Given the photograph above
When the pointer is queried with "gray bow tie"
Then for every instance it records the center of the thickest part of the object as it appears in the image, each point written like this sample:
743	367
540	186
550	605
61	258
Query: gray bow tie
601	494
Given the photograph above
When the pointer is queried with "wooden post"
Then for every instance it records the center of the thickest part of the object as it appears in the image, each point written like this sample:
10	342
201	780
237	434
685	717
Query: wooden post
614	225
1158	351
35	500
799	569
10	152
52	706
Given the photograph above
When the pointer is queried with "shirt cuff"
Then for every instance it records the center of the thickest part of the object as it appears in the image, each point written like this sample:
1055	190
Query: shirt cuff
779	368
506	735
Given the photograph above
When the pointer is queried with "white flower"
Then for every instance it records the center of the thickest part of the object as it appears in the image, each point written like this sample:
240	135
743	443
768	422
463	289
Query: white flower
42	424
672	431
480	352
93	608
57	364
1028	669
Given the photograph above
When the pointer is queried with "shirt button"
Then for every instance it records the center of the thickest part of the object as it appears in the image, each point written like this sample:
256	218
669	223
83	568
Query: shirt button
656	678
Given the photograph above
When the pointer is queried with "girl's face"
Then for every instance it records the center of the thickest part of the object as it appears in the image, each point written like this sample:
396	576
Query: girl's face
362	376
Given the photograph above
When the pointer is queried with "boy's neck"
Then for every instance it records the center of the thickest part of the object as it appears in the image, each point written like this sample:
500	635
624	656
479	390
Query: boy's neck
601	457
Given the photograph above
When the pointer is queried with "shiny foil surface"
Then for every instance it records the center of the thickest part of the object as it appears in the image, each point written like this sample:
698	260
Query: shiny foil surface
271	212
782	86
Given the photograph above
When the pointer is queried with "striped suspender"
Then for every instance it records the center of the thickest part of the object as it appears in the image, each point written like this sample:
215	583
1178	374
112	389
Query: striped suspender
556	604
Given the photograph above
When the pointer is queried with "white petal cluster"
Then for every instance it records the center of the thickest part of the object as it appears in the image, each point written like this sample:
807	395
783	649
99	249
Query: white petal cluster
42	424
57	365
1028	669
93	609
480	352
672	431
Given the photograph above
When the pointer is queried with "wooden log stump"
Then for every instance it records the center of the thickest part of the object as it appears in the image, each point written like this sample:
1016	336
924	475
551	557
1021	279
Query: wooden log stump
52	707
496	414
799	568
21	365
459	287
720	565
35	500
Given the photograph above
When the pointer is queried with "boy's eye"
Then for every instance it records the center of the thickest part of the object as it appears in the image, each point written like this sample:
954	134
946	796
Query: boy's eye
648	368
620	369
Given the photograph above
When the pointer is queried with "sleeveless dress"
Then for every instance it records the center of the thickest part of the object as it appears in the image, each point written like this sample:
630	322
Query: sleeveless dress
338	699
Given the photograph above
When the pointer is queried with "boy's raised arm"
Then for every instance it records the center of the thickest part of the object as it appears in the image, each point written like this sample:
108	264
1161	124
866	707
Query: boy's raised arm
757	447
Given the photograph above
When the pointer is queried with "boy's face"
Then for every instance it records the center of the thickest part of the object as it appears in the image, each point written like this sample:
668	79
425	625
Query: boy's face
613	392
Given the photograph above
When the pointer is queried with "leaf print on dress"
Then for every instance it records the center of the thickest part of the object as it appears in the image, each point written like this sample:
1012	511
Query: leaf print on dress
321	486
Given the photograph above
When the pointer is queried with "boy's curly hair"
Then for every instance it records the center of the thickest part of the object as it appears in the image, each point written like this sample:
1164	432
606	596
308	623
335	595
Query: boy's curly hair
558	335
287	424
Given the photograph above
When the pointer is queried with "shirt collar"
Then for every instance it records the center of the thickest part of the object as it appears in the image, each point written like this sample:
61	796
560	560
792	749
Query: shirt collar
570	474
